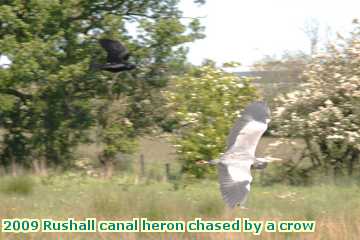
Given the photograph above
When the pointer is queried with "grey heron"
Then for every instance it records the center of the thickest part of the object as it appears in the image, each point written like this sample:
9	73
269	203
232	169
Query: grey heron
234	166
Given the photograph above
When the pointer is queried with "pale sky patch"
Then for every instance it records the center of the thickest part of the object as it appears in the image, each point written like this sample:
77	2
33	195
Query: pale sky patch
245	31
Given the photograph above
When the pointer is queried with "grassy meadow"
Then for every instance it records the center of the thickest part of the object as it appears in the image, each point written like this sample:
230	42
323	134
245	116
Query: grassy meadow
80	194
335	208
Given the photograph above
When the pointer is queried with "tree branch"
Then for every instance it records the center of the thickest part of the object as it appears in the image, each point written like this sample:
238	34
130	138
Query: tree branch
15	93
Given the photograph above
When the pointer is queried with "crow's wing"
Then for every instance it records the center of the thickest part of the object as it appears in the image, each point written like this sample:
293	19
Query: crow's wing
116	51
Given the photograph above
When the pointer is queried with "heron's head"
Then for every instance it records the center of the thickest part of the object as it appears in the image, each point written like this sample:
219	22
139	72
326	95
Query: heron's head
259	111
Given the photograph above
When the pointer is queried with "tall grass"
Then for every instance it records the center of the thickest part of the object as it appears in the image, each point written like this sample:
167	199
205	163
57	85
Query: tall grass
336	209
22	185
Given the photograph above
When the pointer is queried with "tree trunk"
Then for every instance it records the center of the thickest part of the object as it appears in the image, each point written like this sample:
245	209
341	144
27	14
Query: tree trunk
167	171
13	167
108	168
36	167
337	170
43	167
40	166
350	166
142	166
108	165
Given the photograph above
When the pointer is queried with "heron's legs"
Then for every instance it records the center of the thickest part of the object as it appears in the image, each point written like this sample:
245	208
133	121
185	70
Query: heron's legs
212	162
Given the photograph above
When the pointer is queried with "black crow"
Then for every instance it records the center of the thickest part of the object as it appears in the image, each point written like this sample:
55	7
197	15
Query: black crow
117	57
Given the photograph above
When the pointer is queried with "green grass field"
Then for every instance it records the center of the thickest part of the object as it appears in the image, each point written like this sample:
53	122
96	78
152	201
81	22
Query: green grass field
336	209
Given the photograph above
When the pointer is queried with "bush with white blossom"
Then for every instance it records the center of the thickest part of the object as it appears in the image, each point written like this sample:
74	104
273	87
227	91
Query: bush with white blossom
325	111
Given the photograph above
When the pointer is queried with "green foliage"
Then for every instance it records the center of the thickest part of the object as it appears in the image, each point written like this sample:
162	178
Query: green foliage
22	185
289	61
121	199
51	97
106	204
204	105
115	131
211	206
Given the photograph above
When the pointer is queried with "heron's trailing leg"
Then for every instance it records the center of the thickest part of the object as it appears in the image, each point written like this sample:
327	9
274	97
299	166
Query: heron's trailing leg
212	162
202	162
259	164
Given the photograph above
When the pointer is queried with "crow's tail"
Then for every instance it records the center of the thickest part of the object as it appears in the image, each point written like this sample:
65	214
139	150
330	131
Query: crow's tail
95	66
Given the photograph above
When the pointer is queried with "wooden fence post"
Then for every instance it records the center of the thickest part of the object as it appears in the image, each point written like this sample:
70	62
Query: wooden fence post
167	170
142	165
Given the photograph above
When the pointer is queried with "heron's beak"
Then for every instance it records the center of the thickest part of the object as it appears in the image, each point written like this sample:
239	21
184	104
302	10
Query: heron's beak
273	159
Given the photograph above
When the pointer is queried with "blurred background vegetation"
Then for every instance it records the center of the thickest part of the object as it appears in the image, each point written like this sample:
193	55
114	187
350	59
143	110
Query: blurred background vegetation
68	126
54	108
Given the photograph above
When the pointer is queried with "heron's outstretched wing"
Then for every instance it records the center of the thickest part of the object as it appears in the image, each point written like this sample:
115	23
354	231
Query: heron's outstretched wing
234	190
248	129
234	167
117	52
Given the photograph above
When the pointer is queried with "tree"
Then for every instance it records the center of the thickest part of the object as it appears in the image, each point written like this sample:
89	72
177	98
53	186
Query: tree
204	104
325	112
289	61
52	97
311	30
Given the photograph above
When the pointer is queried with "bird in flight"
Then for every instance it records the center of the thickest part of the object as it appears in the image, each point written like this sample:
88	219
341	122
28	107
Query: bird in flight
234	166
117	57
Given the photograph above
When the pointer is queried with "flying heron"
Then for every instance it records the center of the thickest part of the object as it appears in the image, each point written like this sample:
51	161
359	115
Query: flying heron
117	57
234	166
